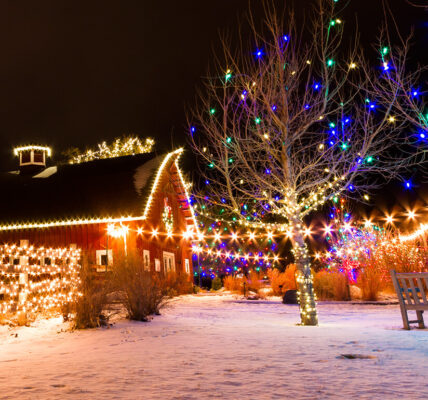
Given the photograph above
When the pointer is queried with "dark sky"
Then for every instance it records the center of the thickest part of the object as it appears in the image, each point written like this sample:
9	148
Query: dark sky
74	73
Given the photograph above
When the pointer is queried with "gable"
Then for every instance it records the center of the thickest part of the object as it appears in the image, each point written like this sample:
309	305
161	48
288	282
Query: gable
169	192
102	191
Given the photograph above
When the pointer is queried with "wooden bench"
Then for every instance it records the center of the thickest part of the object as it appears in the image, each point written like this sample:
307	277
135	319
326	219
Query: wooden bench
411	288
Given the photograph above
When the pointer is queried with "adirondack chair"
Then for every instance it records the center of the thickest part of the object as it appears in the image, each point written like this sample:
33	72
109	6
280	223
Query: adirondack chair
411	288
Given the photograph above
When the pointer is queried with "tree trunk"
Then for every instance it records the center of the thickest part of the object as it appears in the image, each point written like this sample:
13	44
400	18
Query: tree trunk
305	289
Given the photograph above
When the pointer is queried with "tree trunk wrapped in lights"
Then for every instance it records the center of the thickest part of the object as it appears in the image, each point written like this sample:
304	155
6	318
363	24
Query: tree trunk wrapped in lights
304	280
289	123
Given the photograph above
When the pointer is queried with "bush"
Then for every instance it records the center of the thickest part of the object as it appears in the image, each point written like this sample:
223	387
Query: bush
216	284
370	281
254	283
141	292
285	279
232	283
331	286
176	284
87	310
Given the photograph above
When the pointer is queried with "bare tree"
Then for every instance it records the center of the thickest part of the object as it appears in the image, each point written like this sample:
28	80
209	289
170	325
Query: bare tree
403	82
290	124
418	5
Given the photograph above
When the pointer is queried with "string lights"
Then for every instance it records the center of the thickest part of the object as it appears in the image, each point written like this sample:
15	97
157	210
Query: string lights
422	230
112	220
21	149
119	148
34	280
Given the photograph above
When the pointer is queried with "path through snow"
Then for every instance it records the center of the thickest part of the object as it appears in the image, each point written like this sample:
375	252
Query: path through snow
215	347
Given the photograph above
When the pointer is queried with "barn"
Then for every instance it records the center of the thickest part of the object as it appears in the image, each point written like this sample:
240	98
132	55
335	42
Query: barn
105	206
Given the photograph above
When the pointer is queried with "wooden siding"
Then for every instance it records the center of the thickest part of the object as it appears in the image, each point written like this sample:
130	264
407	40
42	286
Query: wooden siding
92	237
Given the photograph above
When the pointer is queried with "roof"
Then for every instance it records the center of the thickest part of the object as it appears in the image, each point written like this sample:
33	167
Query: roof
108	188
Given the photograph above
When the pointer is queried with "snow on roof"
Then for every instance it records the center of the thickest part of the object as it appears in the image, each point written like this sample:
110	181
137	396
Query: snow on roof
103	188
46	173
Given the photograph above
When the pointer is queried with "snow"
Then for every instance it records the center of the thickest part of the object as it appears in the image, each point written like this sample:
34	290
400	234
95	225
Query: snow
47	172
220	347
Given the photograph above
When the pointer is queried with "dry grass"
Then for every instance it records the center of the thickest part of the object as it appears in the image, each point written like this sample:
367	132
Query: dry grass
254	283
282	281
244	285
176	284
331	286
232	283
371	281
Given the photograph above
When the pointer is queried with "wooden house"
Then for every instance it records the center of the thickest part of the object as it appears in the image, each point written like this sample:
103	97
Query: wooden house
123	204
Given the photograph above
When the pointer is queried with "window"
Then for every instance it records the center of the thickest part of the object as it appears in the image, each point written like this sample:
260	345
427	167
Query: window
168	261
102	257
146	258
47	261
157	265
25	157
187	265
38	156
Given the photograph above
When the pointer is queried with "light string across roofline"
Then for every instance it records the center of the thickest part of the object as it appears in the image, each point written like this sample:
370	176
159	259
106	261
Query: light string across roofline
130	146
18	150
108	220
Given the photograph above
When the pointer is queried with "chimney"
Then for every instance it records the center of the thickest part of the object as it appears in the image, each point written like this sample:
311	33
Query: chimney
32	159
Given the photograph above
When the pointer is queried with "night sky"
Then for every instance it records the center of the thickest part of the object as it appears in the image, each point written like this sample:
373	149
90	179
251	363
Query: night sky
74	73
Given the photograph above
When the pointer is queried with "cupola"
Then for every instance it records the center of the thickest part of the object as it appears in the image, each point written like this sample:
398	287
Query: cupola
32	158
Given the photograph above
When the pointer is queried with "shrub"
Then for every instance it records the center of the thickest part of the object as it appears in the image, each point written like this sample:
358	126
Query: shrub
331	285
141	292
290	277
176	284
254	283
370	281
284	279
87	310
232	283
216	284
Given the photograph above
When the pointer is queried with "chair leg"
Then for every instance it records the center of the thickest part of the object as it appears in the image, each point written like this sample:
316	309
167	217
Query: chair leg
406	324
420	315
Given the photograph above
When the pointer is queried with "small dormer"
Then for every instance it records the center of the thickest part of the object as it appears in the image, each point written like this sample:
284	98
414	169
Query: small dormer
32	159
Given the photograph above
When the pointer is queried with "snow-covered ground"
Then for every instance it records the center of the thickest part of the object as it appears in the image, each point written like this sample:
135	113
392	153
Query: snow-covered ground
217	347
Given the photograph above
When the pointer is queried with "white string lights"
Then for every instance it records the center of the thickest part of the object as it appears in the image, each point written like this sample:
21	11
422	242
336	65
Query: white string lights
18	150
119	148
36	280
422	230
107	220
